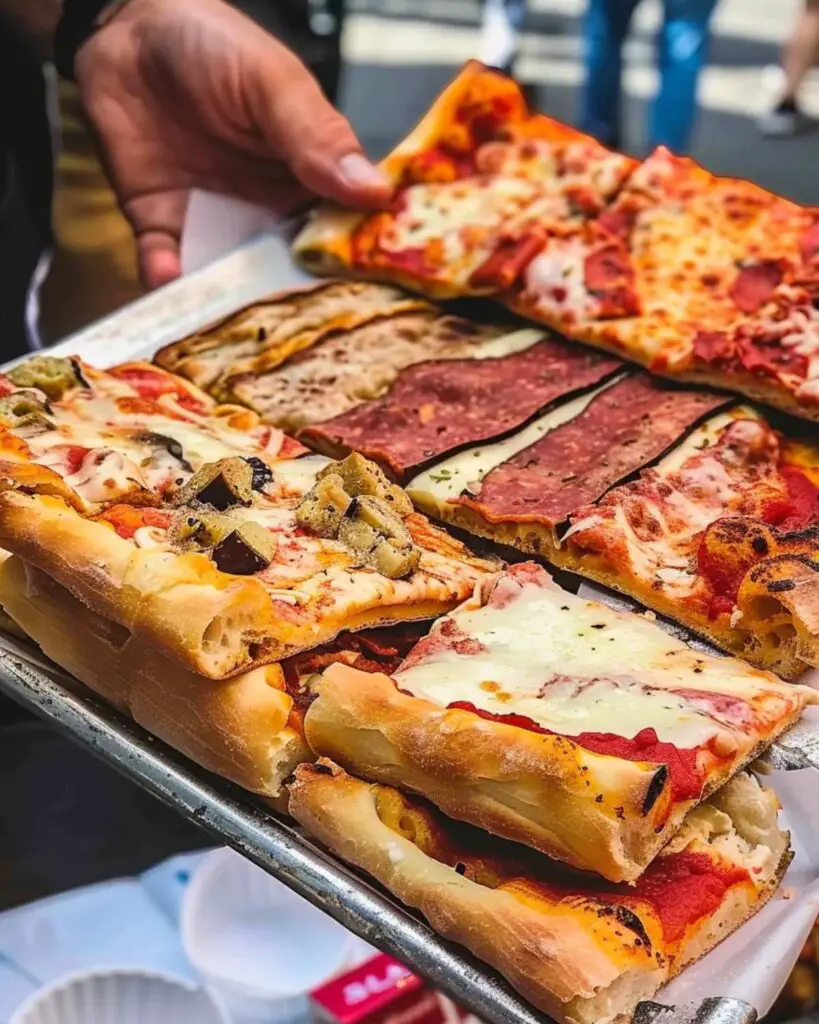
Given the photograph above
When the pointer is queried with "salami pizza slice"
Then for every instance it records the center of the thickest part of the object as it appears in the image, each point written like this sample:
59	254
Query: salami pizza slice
722	535
247	563
477	183
521	490
557	722
247	728
581	950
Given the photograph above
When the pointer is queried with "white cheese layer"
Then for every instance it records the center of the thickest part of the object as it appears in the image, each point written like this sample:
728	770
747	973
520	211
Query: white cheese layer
575	666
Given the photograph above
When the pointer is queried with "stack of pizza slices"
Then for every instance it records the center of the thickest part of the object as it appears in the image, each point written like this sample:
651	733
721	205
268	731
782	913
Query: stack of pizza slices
231	545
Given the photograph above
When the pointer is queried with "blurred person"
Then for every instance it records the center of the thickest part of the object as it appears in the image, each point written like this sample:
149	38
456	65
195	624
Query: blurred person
800	54
181	94
501	24
682	49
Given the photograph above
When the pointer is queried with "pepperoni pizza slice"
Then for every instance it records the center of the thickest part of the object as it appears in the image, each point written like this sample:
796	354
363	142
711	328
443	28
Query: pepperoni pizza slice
581	950
133	433
561	723
476	185
248	563
694	276
722	535
521	490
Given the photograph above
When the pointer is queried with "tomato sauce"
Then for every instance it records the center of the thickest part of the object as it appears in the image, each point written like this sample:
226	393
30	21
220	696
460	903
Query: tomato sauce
685	778
801	506
126	519
152	385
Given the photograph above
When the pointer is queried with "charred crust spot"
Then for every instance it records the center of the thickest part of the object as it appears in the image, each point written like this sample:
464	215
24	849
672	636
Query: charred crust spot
321	769
599	798
628	919
780	586
760	545
460	868
620	812
655	787
262	473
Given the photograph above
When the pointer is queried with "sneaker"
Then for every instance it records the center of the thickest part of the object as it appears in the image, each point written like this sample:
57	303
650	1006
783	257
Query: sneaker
783	120
498	42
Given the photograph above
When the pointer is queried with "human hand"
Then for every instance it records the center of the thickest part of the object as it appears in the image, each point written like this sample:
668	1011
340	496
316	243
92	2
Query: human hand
192	94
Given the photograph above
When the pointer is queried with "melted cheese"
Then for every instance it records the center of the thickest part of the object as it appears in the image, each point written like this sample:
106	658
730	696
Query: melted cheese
576	666
508	344
462	472
556	279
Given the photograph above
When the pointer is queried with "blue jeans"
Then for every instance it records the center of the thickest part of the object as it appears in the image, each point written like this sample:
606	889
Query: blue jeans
682	52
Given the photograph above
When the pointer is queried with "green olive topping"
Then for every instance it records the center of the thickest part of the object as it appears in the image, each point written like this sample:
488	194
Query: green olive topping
22	409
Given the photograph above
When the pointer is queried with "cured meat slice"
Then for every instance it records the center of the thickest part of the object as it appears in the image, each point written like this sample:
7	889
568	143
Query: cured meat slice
626	426
437	407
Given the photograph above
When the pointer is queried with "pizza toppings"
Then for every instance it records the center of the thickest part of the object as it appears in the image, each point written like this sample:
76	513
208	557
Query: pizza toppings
755	284
53	375
220	484
25	411
625	426
322	509
245	550
372	531
127	519
360	477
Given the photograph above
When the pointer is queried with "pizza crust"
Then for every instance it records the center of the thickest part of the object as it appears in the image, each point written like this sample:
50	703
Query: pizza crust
549	957
241	728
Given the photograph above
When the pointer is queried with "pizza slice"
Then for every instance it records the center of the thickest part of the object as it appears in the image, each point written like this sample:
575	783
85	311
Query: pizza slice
722	535
694	276
256	339
476	184
440	406
247	564
131	433
521	490
247	728
581	950
557	722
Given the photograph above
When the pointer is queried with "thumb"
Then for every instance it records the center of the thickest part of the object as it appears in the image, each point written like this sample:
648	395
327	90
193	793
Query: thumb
316	142
159	261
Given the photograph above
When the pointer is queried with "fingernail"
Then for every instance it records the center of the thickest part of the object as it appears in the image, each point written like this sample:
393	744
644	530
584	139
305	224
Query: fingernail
358	172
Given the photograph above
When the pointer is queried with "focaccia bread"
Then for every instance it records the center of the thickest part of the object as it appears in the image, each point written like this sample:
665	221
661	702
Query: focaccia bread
581	950
247	728
581	731
256	339
721	535
477	184
249	564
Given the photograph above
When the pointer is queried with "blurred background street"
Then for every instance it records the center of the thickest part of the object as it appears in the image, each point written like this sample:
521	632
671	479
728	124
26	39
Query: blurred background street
399	54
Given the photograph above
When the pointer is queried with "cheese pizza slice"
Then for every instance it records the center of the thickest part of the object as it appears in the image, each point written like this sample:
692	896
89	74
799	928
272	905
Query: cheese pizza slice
476	184
722	535
132	433
521	490
557	722
247	564
581	950
671	272
247	728
256	339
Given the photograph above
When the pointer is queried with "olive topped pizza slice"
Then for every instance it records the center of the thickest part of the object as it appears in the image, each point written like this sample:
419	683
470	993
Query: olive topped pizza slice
476	185
581	731
248	563
132	433
582	950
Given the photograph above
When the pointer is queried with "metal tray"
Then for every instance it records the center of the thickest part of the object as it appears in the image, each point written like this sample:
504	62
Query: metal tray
229	813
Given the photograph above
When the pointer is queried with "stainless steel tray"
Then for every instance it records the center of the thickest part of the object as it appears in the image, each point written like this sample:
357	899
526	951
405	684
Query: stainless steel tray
230	814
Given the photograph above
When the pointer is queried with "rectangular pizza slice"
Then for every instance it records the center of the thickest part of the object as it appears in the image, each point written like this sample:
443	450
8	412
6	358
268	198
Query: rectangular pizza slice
671	272
246	564
247	728
581	950
581	731
476	183
261	336
722	535
521	490
133	433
